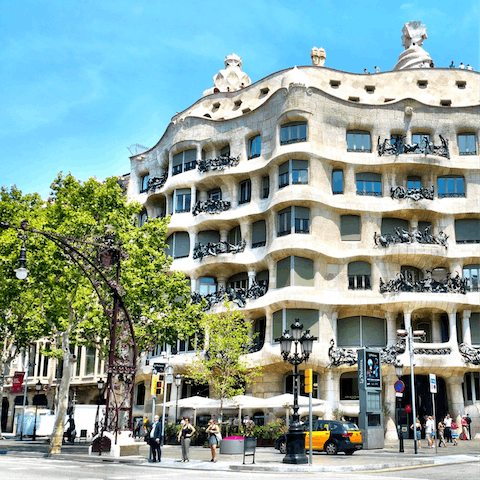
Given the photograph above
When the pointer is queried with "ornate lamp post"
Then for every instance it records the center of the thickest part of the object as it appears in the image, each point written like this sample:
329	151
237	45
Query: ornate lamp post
178	382
38	388
296	434
100	386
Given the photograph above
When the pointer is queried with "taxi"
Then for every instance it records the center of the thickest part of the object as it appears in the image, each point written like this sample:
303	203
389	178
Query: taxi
330	436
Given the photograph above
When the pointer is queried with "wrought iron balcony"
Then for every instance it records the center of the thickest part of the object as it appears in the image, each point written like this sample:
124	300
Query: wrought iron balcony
211	206
213	249
236	295
406	283
157	182
397	146
402	236
219	163
400	192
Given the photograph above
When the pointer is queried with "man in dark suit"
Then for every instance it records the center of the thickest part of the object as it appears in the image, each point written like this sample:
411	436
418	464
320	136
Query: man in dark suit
155	437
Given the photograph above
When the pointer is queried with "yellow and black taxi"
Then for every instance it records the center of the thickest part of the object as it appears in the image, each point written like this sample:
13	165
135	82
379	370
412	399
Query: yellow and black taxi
330	436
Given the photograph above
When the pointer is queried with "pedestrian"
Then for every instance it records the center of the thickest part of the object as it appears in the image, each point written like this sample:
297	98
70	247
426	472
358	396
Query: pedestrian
452	65
469	421
214	438
448	428
377	70
465	434
454	433
138	426
430	431
432	65
365	70
441	434
155	437
469	67
185	438
418	426
461	66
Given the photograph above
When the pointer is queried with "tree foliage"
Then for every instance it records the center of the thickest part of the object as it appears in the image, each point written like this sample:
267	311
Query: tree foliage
222	363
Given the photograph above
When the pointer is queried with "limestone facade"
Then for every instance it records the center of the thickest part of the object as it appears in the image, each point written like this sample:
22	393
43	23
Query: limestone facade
308	194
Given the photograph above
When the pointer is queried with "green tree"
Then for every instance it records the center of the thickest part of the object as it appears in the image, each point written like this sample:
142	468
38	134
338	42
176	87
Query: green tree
223	363
158	299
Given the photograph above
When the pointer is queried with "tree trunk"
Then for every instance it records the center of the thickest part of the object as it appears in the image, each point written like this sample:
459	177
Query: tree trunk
62	399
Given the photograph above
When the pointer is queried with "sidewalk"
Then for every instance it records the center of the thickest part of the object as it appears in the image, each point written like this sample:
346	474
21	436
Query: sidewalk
267	459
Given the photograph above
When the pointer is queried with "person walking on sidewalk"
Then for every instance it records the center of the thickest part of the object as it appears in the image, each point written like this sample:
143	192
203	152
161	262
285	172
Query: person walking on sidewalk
214	438
185	438
441	434
419	432
448	428
430	431
155	437
469	421
454	433
465	434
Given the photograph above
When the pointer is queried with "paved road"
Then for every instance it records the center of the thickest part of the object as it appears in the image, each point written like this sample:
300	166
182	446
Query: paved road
12	468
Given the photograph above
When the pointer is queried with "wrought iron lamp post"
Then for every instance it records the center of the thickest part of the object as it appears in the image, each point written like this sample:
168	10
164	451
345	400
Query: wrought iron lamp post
38	388
399	373
178	382
296	434
100	386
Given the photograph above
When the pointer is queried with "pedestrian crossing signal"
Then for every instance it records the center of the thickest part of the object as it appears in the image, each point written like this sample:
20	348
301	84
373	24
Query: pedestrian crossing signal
160	387
308	380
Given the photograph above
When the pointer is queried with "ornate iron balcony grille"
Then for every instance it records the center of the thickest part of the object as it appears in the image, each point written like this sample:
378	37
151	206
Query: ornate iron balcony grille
282	233
258	244
397	146
359	282
293	140
405	283
400	192
236	295
302	231
213	249
402	236
451	195
157	182
255	155
369	193
210	206
218	163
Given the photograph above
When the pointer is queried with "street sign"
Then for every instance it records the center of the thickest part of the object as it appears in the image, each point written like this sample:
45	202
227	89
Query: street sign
168	378
158	368
433	383
408	408
399	386
17	381
399	394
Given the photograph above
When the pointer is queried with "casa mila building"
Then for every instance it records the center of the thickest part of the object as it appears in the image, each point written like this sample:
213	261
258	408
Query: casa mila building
348	201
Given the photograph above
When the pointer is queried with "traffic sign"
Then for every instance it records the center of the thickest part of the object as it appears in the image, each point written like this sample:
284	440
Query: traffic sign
408	408
399	386
433	383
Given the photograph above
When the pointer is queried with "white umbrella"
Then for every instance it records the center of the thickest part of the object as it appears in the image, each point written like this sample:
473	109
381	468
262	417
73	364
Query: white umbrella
286	400
247	401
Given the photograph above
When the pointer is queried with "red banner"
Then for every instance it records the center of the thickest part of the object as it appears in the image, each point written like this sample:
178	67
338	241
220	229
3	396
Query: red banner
17	381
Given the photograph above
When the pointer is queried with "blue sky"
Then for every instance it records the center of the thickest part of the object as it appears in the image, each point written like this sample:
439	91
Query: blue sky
80	81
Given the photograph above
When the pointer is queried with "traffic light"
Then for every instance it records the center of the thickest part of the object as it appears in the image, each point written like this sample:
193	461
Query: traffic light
308	380
160	387
153	389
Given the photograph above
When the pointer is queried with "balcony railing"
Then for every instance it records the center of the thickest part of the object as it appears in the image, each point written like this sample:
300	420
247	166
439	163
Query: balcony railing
213	249
400	192
402	236
235	295
210	206
397	146
406	283
218	163
157	182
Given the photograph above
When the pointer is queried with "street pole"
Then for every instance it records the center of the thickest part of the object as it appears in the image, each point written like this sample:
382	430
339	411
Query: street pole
24	394
412	381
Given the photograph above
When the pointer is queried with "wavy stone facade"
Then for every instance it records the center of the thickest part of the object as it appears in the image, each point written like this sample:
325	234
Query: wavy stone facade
309	195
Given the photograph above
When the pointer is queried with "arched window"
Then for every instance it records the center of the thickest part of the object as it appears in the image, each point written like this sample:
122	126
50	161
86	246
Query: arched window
142	218
369	184
240	280
293	132
254	147
178	245
183	161
245	191
359	276
412	274
144	183
358	141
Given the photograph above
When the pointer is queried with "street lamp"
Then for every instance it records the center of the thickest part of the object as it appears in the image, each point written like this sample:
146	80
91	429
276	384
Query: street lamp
398	373
296	435
178	382
21	272
100	386
412	335
38	388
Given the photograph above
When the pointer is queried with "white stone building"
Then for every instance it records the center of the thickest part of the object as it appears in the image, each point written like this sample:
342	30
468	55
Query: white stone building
337	191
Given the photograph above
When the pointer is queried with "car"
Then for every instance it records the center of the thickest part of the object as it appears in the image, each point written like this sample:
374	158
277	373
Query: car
330	436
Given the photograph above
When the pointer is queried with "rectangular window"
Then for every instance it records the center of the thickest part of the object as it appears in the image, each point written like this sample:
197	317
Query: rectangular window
358	141
414	183
284	222
303	272
467	230
284	175
144	183
470	273
293	132
79	361
283	272
421	139
254	147
265	187
308	318
182	200
451	187
90	361
348	332
467	144
245	191
302	220
369	184
299	172
214	194
337	182
475	330
259	234
225	151
183	161
350	228
277	329
373	332
207	286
